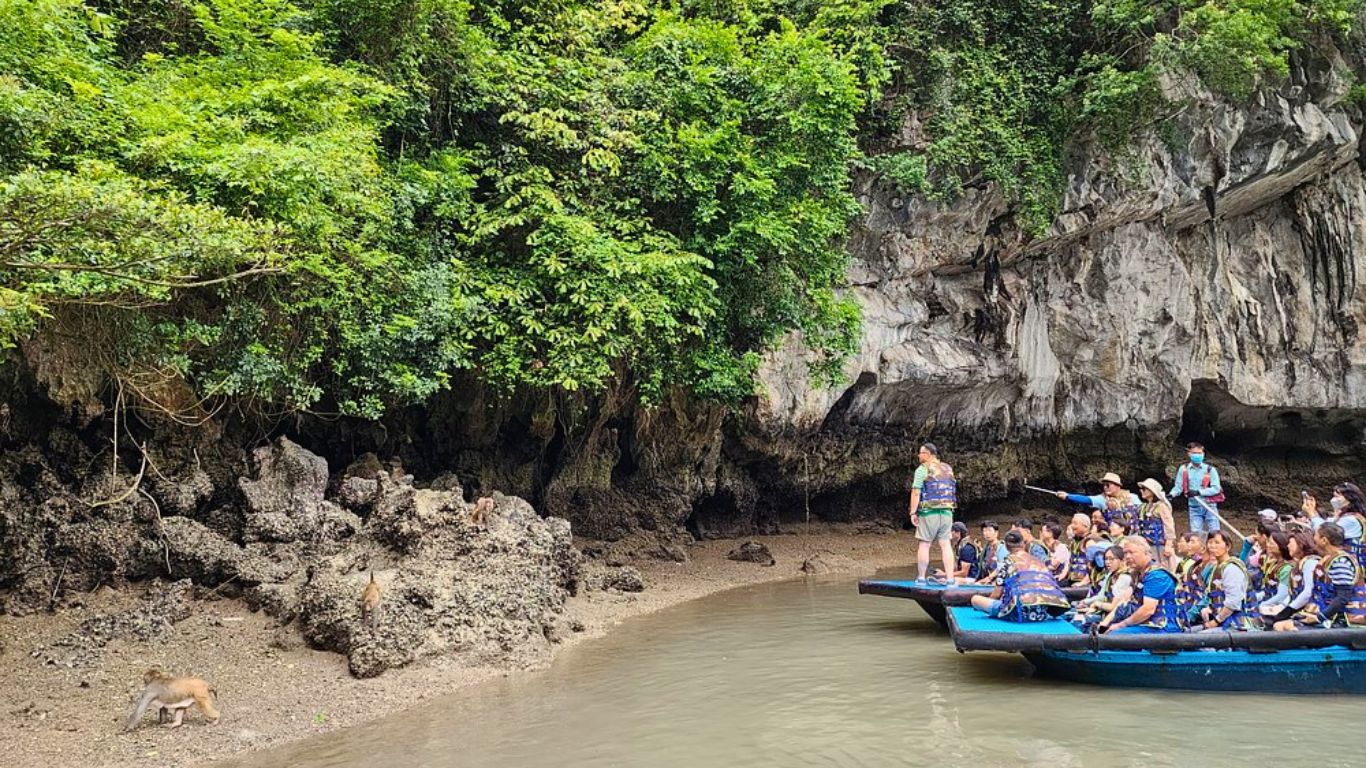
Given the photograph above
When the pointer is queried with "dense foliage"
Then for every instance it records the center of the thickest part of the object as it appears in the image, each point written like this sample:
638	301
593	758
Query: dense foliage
338	204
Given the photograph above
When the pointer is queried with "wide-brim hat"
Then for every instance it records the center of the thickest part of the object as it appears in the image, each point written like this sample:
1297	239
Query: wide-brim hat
1110	477
1153	486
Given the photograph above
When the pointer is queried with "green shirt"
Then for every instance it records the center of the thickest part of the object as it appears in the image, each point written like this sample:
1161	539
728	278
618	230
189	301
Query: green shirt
918	483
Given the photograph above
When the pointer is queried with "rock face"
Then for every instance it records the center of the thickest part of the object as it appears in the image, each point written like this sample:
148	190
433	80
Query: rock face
490	591
1203	285
1206	286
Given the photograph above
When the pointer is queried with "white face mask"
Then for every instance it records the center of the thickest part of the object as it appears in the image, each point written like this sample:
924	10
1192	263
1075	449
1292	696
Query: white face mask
1338	503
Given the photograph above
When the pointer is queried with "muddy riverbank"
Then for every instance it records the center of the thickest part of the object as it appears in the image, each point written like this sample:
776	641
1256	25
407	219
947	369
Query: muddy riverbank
59	708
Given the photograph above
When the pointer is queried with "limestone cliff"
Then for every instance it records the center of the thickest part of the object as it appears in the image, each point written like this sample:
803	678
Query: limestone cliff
1206	283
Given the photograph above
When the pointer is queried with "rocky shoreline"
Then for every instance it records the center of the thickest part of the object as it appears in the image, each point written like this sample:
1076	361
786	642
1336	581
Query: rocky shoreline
63	703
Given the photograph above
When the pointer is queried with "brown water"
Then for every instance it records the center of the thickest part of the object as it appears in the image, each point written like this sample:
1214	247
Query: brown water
813	674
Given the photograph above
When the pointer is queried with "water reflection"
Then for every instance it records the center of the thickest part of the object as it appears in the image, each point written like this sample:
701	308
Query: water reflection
812	674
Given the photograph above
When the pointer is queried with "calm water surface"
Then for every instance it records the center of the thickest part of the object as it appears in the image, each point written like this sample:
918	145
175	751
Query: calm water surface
813	674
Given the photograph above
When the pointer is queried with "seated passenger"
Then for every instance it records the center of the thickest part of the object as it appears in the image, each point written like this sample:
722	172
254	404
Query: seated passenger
1226	587
969	554
1079	563
1025	590
1190	576
1110	594
1305	560
1278	570
993	551
1025	527
1335	580
1154	593
1118	529
1059	558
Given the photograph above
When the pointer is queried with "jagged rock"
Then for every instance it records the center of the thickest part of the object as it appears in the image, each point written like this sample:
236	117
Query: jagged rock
815	566
285	502
164	606
488	593
210	559
625	579
752	552
279	601
447	481
404	515
819	564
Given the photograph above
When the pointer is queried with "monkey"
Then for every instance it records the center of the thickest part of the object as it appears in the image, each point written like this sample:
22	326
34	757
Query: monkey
369	600
480	514
173	695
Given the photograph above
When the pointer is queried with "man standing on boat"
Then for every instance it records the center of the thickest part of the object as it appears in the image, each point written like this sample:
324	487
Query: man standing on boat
1199	483
934	494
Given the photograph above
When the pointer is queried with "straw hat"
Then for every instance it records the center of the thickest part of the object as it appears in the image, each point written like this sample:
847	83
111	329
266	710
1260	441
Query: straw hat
1153	486
1110	477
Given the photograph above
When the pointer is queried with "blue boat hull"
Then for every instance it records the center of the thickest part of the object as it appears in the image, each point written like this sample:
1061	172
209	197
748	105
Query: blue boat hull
929	597
1319	670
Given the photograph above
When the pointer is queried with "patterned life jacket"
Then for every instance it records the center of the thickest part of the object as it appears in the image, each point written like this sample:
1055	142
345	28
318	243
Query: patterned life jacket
1323	590
1190	586
1165	617
1105	586
975	569
940	490
1031	593
1297	578
1357	547
1037	551
1124	510
1274	574
1078	564
1150	524
988	559
1214	590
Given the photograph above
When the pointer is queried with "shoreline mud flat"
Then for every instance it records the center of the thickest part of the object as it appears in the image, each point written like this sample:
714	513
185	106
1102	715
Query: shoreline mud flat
64	704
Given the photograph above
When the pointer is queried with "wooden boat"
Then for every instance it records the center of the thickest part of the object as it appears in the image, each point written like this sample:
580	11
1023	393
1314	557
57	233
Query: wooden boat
1318	661
934	598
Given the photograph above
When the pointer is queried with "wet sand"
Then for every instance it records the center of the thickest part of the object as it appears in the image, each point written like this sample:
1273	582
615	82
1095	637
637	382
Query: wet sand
273	690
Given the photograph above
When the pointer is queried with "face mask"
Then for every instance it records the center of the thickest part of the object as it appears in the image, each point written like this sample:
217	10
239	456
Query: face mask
1197	458
1338	503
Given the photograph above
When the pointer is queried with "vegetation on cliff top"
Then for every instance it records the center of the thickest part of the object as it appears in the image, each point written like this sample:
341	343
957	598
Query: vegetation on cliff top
337	204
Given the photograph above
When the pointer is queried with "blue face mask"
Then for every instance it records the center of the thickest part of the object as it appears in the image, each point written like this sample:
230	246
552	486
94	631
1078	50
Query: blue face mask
1197	458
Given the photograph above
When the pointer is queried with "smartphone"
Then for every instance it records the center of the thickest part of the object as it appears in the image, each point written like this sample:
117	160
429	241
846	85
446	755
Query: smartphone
1304	493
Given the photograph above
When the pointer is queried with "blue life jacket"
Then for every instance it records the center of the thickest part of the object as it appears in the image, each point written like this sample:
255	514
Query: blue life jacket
989	560
1078	565
1125	511
1190	586
1150	526
1214	590
1356	547
1032	594
1037	551
1165	617
940	490
975	568
1323	588
1276	573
